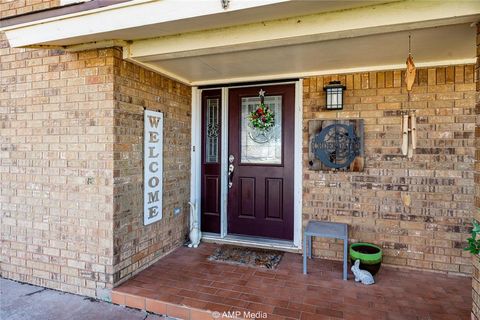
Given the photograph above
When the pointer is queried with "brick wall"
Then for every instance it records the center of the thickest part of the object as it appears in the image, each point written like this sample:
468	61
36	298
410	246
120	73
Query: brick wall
431	232
137	246
476	209
56	115
10	8
71	130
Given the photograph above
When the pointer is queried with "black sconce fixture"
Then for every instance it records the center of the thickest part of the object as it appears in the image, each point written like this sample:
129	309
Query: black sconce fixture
334	95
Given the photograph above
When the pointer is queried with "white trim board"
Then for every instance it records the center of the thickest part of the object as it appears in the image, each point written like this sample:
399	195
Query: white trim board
195	186
298	170
224	166
101	22
195	155
256	242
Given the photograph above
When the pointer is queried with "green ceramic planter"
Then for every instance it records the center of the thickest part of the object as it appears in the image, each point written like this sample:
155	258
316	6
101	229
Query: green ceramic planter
370	256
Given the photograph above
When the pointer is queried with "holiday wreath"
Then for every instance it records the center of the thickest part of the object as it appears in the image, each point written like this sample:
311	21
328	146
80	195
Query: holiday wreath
262	118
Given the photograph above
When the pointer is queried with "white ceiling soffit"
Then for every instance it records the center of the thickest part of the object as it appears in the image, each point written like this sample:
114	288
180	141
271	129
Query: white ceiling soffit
373	38
432	46
141	19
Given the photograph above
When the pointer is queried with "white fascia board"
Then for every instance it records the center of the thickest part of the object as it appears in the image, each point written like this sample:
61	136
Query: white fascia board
127	15
390	17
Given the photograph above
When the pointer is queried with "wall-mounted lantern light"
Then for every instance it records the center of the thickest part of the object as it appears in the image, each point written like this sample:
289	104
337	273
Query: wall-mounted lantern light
334	95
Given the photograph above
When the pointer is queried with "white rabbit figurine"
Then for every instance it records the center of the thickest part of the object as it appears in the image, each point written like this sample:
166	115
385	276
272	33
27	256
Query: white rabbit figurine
362	275
195	233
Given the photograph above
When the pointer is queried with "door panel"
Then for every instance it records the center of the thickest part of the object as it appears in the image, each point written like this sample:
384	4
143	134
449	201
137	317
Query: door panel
211	159
247	197
212	188
274	199
260	199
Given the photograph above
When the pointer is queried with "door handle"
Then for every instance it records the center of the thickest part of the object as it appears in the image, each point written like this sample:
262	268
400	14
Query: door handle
231	168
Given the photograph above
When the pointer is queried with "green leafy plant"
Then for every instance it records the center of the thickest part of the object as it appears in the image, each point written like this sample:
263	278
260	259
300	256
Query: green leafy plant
262	118
474	243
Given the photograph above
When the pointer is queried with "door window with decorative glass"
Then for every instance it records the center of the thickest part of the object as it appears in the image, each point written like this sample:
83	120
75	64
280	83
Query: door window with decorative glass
261	144
212	127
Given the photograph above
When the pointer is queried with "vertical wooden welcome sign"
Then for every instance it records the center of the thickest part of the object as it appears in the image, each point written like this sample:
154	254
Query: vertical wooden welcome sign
152	166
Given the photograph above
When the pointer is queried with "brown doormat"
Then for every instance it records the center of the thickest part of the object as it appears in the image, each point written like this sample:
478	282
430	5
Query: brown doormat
251	257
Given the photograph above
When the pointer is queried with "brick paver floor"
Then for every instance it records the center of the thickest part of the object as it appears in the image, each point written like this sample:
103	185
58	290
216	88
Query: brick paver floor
185	284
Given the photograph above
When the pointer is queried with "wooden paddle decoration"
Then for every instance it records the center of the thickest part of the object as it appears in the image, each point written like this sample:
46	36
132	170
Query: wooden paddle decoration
410	73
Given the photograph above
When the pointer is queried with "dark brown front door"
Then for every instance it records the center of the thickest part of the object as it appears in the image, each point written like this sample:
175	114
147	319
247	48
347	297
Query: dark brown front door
260	197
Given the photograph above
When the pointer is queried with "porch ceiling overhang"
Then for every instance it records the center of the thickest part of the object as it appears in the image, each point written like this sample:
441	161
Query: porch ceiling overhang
262	40
445	45
367	38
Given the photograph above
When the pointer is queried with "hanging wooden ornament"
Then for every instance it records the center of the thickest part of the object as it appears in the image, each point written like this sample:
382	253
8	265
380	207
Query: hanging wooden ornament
410	73
411	70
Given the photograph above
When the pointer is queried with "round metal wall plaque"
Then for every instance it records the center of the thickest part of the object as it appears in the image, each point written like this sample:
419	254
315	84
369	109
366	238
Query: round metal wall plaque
336	146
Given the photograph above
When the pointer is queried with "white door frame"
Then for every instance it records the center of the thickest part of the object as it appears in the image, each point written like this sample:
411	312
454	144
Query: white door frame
195	185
